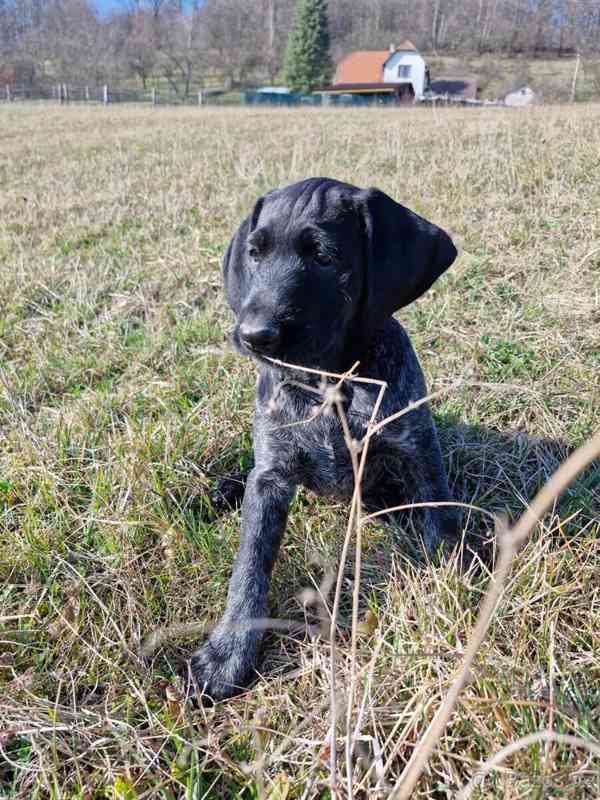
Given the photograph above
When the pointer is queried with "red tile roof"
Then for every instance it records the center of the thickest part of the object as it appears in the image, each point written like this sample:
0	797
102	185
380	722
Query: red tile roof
362	66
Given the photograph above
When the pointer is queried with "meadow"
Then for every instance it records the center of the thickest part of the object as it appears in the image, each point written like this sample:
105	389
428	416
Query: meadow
121	403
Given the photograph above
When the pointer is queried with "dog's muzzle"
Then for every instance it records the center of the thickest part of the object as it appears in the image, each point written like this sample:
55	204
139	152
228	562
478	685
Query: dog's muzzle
260	336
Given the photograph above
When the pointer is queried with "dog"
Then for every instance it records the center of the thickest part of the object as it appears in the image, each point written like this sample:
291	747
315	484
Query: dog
313	276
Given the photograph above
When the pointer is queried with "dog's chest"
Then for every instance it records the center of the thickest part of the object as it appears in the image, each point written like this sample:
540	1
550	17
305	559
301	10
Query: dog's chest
323	459
311	443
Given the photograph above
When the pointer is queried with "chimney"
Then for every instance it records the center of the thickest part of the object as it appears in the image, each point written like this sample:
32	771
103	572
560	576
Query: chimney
392	48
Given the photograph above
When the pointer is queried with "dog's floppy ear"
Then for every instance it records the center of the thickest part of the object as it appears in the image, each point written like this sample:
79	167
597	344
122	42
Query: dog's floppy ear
404	255
235	275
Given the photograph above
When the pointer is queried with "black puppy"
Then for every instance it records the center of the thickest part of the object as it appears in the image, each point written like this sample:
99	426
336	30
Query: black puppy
313	276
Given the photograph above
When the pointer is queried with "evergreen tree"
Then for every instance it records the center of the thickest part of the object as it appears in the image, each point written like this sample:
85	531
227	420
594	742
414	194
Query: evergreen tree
307	60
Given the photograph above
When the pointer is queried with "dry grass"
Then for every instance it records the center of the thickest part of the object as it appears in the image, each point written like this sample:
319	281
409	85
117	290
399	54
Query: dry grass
119	402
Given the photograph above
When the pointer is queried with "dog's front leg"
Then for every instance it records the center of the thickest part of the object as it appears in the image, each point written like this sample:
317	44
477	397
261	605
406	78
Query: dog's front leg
225	664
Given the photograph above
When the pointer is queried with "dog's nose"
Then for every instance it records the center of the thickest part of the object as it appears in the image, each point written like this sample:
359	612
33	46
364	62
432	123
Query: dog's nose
261	337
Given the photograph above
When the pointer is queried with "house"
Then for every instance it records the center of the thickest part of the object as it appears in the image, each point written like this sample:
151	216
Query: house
522	96
399	73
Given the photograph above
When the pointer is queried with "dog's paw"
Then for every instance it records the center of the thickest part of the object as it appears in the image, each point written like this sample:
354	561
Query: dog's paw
442	531
222	668
228	493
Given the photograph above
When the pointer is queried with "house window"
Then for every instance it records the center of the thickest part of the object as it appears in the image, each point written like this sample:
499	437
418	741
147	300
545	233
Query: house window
404	71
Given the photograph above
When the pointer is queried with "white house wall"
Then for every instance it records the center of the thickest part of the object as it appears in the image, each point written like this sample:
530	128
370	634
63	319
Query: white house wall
417	72
521	97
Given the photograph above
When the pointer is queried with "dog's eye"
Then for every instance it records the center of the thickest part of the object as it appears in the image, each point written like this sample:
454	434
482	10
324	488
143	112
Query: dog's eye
322	258
254	253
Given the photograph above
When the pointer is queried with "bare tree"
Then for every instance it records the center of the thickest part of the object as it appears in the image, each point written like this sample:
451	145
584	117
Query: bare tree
237	42
234	35
180	48
140	45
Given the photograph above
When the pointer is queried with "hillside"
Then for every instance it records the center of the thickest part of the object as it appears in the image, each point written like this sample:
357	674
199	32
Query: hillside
497	75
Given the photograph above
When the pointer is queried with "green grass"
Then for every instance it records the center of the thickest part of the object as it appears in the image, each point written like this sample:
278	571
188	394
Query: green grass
120	401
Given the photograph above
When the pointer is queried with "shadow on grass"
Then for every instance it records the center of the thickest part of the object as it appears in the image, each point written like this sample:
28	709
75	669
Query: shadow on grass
502	471
498	471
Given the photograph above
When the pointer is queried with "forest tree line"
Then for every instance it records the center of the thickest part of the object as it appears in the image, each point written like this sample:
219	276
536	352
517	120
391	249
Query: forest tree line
190	43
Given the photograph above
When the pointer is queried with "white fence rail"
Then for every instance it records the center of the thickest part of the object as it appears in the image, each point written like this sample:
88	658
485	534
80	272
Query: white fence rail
105	95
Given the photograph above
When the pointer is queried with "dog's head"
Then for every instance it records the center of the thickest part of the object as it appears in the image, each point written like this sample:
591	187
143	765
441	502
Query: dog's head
318	267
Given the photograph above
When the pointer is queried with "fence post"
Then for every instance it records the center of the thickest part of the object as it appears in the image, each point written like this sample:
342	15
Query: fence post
8	92
105	94
87	94
153	95
65	92
574	82
200	98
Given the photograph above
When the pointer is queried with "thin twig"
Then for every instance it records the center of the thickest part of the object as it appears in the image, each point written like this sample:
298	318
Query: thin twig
351	445
338	589
323	373
430	504
415	404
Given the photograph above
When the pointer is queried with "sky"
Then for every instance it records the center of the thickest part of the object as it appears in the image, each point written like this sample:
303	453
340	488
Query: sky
106	6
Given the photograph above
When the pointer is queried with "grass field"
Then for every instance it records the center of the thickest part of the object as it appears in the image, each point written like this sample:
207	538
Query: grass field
120	401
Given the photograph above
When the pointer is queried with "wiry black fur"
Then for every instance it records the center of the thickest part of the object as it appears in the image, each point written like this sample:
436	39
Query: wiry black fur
317	269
